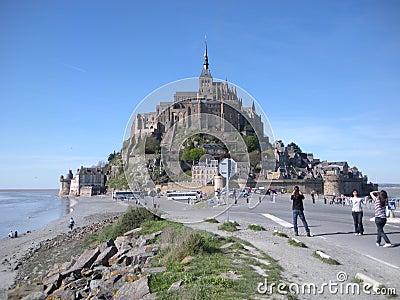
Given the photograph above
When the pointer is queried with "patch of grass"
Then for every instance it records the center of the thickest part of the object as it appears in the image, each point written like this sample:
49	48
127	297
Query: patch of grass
329	261
256	227
131	219
293	243
281	234
177	244
229	226
201	275
211	220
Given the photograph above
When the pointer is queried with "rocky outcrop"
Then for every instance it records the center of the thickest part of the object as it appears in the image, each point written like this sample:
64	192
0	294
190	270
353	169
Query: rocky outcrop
117	269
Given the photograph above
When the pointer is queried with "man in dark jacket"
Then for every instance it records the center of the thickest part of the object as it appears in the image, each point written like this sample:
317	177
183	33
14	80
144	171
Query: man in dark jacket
298	211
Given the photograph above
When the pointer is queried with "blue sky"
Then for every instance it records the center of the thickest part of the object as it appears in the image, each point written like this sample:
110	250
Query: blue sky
327	74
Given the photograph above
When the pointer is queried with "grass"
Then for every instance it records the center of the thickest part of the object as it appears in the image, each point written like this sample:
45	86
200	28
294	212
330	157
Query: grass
256	227
329	261
201	275
210	273
229	226
131	219
211	220
293	243
281	234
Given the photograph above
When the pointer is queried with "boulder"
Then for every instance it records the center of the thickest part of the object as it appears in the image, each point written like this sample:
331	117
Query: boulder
133	232
86	260
133	290
105	255
175	286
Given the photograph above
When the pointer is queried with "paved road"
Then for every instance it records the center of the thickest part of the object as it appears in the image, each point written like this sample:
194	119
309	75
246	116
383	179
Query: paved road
333	224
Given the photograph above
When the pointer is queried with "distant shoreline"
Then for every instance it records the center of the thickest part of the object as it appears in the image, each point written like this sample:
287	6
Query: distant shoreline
26	190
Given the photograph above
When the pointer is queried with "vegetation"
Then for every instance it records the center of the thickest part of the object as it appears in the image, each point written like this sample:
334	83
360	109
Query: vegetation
229	226
211	220
193	155
295	243
152	145
207	270
281	234
256	227
119	183
329	261
252	143
131	219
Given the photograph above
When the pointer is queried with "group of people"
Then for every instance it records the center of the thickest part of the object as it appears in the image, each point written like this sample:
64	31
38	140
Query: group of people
380	200
13	234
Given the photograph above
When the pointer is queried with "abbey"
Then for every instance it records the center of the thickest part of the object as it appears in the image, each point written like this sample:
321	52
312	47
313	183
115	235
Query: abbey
215	105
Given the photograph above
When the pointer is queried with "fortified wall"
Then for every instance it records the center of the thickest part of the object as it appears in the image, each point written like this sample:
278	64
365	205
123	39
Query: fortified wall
327	185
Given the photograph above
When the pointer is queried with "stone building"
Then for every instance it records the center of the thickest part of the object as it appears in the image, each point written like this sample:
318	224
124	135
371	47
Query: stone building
86	182
213	106
292	167
204	172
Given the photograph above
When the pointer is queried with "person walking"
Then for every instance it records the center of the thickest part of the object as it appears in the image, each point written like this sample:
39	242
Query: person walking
71	223
380	199
298	210
357	212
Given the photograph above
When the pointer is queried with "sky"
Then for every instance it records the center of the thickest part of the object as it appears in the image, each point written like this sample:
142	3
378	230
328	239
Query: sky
326	74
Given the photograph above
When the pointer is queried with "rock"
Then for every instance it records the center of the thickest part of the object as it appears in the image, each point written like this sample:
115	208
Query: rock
175	286
133	290
55	280
133	232
35	296
226	246
153	270
105	255
84	261
186	259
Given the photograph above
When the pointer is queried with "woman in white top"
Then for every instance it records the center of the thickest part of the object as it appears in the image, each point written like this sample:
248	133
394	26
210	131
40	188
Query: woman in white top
357	212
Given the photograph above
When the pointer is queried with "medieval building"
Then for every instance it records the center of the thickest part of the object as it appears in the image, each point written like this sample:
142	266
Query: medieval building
215	105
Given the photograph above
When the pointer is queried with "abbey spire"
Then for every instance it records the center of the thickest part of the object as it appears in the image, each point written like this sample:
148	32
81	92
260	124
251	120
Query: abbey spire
206	80
205	63
205	72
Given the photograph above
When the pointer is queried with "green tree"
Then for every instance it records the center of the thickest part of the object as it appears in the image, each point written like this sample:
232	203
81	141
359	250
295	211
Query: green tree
254	158
152	145
269	153
193	154
252	143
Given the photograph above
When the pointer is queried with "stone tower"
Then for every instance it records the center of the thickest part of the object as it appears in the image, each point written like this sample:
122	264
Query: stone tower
205	79
65	184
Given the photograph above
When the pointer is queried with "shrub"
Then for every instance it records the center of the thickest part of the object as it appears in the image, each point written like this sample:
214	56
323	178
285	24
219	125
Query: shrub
131	219
211	220
229	226
256	227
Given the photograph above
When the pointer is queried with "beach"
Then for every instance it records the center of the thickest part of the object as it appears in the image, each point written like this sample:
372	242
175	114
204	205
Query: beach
85	211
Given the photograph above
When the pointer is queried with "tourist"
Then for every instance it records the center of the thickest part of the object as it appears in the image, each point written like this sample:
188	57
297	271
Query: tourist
71	223
357	212
11	234
298	210
313	196
16	234
380	199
